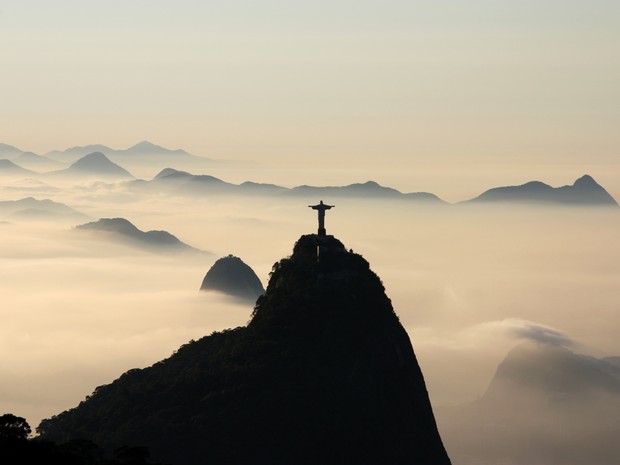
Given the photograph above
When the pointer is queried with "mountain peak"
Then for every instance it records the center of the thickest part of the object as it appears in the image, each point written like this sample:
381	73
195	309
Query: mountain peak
126	231
98	163
10	168
94	157
9	149
584	192
145	145
586	181
323	373
171	172
232	276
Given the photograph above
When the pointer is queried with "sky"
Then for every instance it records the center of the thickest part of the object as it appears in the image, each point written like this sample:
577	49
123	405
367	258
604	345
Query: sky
449	97
432	92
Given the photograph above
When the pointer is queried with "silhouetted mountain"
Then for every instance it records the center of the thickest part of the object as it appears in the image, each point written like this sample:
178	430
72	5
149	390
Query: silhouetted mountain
37	162
585	191
183	183
144	150
33	209
232	276
545	404
177	182
257	188
324	373
10	169
9	152
94	165
120	229
369	189
169	173
73	154
546	370
148	148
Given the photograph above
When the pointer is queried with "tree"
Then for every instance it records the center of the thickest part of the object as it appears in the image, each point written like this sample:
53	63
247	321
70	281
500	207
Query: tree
13	428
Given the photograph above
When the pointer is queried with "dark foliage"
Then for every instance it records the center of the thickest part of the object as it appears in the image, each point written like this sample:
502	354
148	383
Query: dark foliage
324	373
16	448
13	428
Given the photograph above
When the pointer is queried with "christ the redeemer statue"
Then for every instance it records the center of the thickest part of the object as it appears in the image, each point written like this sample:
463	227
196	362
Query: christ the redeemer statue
321	207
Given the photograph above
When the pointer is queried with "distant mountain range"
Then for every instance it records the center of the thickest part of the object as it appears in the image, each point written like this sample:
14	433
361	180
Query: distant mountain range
141	149
10	169
95	165
123	231
584	191
183	183
8	151
36	162
32	209
102	162
143	158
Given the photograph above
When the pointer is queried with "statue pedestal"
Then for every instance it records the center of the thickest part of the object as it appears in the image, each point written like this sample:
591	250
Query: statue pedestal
322	232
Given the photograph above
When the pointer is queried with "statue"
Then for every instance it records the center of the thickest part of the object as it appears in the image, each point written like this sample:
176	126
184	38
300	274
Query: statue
321	207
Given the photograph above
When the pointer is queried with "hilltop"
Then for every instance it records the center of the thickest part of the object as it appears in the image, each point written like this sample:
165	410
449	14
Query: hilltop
232	276
584	191
323	373
123	231
94	165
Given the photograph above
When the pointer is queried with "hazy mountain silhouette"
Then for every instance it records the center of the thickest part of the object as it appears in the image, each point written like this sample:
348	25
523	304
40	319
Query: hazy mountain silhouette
369	189
232	276
148	148
585	191
10	169
545	369
177	182
143	158
324	373
184	183
9	152
36	162
122	230
144	150
33	209
94	165
545	404
73	154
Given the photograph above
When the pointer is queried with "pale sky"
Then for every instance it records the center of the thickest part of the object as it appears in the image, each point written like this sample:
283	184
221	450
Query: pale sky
357	83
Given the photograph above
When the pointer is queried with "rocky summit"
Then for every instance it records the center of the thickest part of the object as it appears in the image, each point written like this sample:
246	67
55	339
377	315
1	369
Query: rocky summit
324	373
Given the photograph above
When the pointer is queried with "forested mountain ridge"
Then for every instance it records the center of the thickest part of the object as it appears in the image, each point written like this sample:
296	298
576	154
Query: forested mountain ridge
323	373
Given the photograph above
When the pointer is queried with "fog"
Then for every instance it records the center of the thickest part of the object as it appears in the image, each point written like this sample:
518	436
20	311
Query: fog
468	283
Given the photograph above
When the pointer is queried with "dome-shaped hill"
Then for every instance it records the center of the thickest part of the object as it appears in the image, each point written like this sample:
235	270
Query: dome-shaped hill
232	276
94	165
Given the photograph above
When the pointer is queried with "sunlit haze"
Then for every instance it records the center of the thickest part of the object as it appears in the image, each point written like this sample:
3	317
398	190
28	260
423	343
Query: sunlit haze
447	97
447	91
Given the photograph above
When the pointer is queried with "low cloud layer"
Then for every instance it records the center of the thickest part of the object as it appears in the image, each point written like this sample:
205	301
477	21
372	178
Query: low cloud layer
529	330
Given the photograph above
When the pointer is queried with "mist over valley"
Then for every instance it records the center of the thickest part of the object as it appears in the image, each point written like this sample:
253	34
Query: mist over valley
88	294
